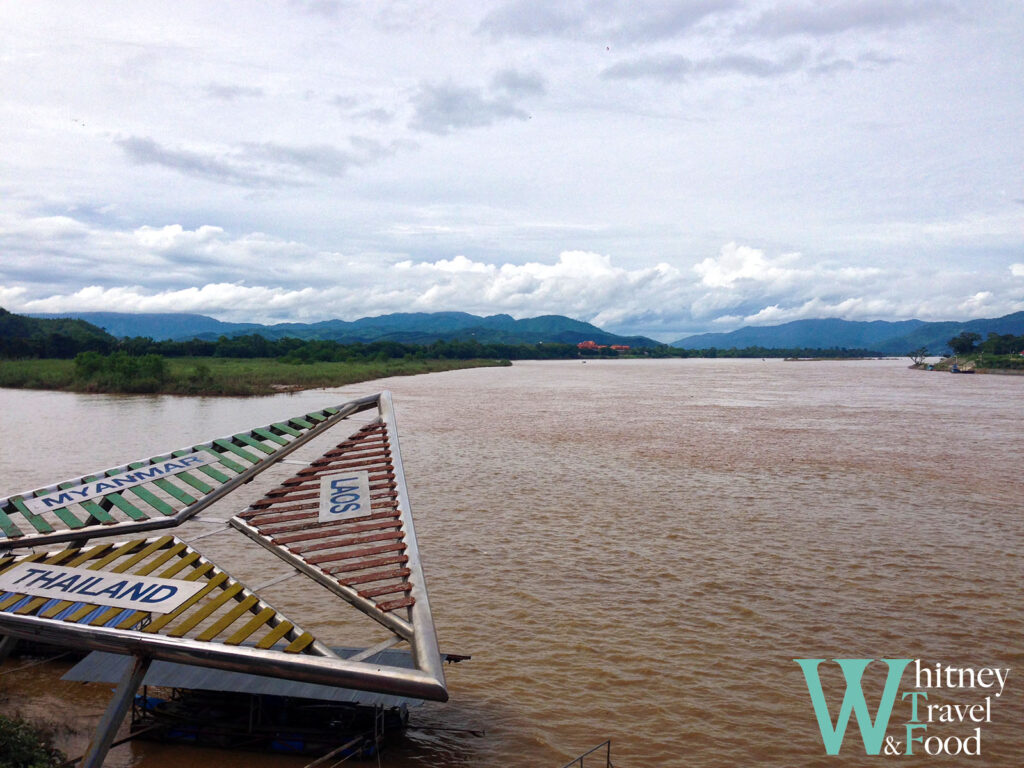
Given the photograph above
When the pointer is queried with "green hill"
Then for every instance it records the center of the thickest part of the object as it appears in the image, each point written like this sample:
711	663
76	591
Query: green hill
881	336
22	336
404	327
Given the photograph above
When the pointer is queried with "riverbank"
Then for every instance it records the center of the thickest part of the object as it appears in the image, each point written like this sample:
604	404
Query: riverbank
1005	365
220	377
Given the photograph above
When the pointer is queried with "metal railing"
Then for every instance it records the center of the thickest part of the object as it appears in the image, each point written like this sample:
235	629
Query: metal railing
605	747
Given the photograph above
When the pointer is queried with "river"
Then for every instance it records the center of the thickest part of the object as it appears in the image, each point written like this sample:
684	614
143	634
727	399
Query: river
638	550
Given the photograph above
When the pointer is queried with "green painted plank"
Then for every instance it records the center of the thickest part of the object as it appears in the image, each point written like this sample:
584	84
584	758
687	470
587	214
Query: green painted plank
69	519
248	440
218	477
317	416
229	446
163	484
154	501
34	520
7	525
195	482
266	434
300	422
287	430
166	485
65	514
97	512
127	507
221	458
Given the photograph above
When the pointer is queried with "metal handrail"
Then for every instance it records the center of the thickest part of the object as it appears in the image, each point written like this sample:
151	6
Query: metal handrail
606	746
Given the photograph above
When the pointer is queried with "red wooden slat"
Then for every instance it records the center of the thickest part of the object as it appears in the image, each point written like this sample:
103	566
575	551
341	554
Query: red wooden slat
355	554
277	529
387	589
382	465
366	578
379	562
336	529
351	541
391	605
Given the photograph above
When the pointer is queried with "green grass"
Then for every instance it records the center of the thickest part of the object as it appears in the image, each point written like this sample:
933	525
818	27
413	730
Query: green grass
230	376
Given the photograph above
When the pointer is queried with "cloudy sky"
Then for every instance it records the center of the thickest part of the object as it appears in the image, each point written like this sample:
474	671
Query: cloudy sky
651	166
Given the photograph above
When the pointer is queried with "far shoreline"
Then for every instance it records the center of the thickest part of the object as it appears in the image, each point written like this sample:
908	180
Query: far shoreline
225	377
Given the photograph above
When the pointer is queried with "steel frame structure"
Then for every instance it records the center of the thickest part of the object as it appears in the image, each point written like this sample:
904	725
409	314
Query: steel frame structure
284	650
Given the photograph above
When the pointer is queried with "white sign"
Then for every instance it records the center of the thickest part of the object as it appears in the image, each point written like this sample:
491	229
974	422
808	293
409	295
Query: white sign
119	590
344	495
79	493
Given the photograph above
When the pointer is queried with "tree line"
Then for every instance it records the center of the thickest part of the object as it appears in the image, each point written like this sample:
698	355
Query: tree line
298	351
995	344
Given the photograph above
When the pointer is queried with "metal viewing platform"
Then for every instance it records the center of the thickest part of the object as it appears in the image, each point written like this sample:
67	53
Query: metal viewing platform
343	521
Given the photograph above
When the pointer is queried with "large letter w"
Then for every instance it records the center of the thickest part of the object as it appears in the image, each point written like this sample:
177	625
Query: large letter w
871	733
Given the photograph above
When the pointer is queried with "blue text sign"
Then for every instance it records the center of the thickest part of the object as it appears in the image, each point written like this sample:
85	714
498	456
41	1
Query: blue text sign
118	590
344	495
104	485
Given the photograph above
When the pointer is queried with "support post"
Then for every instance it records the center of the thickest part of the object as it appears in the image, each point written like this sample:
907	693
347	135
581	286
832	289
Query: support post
114	716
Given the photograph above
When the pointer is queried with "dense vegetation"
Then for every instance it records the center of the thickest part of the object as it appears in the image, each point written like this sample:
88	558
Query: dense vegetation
24	337
154	374
995	344
998	351
24	746
71	354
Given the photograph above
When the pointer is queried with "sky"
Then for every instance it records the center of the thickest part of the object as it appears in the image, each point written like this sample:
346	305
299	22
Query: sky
653	167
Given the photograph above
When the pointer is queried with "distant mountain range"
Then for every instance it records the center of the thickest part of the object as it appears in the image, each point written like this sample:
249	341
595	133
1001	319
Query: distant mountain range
407	328
887	338
881	336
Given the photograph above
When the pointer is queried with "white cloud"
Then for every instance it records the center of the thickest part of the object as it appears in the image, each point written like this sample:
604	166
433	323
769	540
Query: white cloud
737	263
260	278
446	107
472	156
220	298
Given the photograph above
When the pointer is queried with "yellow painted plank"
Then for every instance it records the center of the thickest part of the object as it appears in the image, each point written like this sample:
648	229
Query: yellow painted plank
162	621
124	549
160	559
106	616
251	626
282	629
10	562
300	643
183	563
198	572
198	616
228	619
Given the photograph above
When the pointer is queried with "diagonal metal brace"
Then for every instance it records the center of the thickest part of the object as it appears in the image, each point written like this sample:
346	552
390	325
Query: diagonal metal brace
116	710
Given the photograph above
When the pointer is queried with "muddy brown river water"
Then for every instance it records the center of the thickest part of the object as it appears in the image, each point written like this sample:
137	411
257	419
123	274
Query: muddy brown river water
638	550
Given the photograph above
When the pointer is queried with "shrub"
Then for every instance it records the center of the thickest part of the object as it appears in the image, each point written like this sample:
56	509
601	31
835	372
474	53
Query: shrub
24	746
